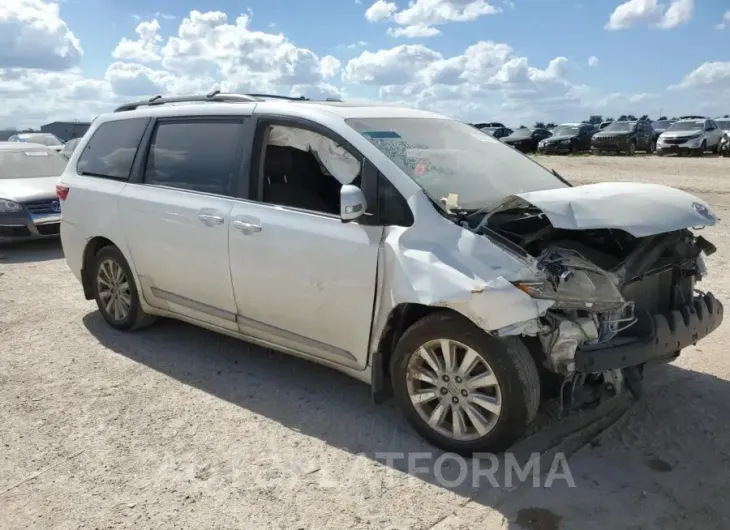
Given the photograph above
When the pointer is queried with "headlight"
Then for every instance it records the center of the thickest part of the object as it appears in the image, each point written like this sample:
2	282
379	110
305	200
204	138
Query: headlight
7	206
565	142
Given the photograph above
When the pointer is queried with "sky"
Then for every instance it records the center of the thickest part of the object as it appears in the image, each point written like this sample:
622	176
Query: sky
515	61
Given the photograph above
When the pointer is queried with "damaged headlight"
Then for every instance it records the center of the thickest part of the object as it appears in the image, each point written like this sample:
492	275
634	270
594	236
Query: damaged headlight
575	283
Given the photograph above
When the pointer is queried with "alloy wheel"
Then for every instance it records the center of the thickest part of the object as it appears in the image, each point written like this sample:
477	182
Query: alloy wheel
113	289
454	390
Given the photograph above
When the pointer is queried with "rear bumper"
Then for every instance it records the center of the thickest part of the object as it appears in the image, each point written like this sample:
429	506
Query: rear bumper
669	333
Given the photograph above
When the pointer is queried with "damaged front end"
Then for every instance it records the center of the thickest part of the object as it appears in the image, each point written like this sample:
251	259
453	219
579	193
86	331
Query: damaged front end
622	300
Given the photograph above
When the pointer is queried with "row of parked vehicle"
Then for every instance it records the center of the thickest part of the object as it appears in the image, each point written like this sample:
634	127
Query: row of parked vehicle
692	135
49	140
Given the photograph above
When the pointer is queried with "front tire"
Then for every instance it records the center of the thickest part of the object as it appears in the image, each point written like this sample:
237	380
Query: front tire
701	151
462	390
116	293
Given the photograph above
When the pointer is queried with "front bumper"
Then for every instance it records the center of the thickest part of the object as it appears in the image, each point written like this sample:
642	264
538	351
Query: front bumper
666	335
557	149
610	146
22	226
674	148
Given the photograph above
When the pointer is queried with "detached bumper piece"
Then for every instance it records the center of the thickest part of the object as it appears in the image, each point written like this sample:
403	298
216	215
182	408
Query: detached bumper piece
668	333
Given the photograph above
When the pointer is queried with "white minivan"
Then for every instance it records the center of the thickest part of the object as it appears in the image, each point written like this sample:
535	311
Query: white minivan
406	249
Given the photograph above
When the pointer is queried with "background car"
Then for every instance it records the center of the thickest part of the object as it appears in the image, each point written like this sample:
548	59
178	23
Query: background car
497	132
624	137
692	136
724	148
723	124
69	147
525	139
41	138
568	138
29	208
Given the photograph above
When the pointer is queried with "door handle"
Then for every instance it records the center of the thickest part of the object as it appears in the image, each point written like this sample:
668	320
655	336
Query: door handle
246	227
210	220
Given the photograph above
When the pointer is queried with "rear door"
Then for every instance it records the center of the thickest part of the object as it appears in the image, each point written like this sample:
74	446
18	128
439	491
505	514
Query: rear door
176	216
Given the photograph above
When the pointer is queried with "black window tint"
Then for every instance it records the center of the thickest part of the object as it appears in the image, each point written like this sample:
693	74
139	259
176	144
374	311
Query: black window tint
111	150
195	155
392	207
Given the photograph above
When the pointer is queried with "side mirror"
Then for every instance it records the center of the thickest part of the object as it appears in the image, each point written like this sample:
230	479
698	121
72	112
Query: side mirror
352	203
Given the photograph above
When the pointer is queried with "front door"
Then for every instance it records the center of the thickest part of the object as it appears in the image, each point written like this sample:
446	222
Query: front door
303	279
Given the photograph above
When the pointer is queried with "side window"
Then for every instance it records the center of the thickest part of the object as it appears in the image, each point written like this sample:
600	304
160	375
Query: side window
392	206
196	155
300	168
110	151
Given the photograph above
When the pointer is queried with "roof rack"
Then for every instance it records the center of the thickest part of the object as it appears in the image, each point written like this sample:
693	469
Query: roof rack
214	96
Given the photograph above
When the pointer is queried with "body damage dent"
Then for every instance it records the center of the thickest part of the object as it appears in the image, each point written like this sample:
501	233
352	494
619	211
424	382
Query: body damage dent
443	265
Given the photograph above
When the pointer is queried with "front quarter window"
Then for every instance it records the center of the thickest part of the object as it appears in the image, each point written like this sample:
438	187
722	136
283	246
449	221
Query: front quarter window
447	158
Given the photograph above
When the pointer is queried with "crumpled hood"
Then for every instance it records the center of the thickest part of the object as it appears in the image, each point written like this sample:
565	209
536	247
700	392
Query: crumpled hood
29	189
639	209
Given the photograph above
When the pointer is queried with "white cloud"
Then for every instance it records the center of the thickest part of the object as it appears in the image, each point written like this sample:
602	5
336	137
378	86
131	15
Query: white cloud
380	10
32	35
710	76
658	14
421	16
678	13
592	61
725	20
145	49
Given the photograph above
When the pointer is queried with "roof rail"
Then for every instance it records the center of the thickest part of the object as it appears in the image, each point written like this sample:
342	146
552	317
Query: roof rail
214	96
291	98
278	96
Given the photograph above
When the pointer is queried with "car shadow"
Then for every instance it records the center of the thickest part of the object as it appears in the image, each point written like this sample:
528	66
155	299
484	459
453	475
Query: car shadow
322	403
30	251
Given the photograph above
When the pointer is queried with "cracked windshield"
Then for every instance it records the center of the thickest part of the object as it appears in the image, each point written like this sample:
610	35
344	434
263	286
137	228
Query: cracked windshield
451	159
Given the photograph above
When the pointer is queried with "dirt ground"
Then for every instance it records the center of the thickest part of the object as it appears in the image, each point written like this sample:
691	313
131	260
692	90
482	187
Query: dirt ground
177	427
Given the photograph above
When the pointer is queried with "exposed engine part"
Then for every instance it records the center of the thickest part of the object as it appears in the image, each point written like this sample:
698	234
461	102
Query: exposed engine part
583	391
615	382
562	342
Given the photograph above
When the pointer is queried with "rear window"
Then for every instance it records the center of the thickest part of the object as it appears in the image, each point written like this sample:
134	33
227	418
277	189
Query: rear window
199	155
30	163
110	151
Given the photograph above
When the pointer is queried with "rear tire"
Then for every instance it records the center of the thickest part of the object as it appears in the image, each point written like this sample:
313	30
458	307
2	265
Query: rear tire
443	410
115	291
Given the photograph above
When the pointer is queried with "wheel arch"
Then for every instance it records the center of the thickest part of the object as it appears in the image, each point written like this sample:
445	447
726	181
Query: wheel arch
400	318
93	246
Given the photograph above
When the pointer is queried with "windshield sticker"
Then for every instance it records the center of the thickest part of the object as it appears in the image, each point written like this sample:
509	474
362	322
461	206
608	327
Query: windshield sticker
382	134
36	153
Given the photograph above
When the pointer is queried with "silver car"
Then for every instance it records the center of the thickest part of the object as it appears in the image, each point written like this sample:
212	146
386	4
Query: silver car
42	138
691	136
29	208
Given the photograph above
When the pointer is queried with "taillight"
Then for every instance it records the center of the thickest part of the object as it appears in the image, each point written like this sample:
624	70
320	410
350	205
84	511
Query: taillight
62	191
